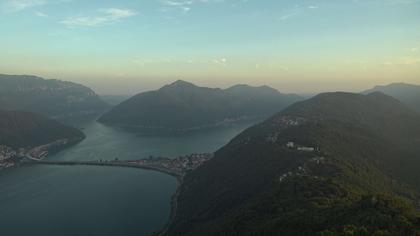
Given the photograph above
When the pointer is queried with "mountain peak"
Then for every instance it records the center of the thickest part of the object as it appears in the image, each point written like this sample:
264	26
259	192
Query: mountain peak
392	87
397	84
181	83
246	86
50	97
406	93
365	145
240	86
194	106
20	77
247	89
378	94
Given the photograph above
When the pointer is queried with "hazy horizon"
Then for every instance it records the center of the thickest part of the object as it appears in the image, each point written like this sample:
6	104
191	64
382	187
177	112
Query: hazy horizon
140	88
126	47
131	159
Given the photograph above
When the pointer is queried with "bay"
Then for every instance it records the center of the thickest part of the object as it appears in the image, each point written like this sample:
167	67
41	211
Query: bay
88	200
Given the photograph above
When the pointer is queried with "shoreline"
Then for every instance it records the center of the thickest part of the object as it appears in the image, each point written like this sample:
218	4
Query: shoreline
174	207
41	152
188	163
174	197
227	122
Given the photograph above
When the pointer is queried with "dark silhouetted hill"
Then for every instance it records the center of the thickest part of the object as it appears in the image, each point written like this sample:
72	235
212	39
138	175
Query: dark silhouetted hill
361	178
182	105
25	129
406	93
52	98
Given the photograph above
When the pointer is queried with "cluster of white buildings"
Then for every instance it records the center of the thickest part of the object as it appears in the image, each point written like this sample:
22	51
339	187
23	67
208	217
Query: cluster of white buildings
272	138
292	145
41	152
299	172
287	121
284	176
179	165
283	122
306	149
318	160
9	157
6	154
302	170
185	163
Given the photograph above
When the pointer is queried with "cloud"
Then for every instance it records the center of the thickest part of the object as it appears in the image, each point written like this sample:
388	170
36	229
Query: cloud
220	61
400	2
104	16
41	14
184	5
313	7
296	10
177	3
13	6
19	5
387	63
403	61
289	15
387	2
410	61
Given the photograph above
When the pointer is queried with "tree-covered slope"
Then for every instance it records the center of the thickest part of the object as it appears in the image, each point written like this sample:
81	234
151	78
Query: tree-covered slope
361	179
25	129
182	105
52	98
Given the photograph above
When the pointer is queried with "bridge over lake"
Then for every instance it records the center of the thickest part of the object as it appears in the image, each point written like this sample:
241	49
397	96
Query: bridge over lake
176	167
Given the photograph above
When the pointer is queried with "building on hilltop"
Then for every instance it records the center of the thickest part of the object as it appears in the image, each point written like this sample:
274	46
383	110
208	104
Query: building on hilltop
306	149
290	145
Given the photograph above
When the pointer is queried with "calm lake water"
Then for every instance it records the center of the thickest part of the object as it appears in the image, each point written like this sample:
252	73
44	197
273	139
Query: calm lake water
99	201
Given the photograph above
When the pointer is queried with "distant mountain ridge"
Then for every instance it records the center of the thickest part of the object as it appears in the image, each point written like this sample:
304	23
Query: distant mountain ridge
114	100
183	105
358	174
52	98
406	93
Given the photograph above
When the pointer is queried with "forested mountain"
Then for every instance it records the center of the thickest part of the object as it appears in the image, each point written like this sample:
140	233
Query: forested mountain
182	105
114	99
406	93
52	98
25	129
336	164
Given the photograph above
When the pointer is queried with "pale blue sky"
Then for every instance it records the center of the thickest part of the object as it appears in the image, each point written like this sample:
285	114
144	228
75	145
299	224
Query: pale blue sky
296	46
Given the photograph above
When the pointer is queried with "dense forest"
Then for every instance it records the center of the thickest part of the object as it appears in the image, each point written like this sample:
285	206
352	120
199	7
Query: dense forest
357	176
25	129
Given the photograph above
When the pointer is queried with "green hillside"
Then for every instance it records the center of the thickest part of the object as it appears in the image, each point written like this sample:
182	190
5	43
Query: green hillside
361	179
25	129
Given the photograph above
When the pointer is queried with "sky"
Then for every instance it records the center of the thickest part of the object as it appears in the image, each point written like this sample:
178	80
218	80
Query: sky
129	46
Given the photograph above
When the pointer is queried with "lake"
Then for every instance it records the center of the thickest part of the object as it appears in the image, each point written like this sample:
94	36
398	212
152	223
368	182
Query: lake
100	201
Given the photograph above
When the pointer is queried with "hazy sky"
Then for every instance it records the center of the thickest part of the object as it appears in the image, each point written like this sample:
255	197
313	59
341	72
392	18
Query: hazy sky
127	46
